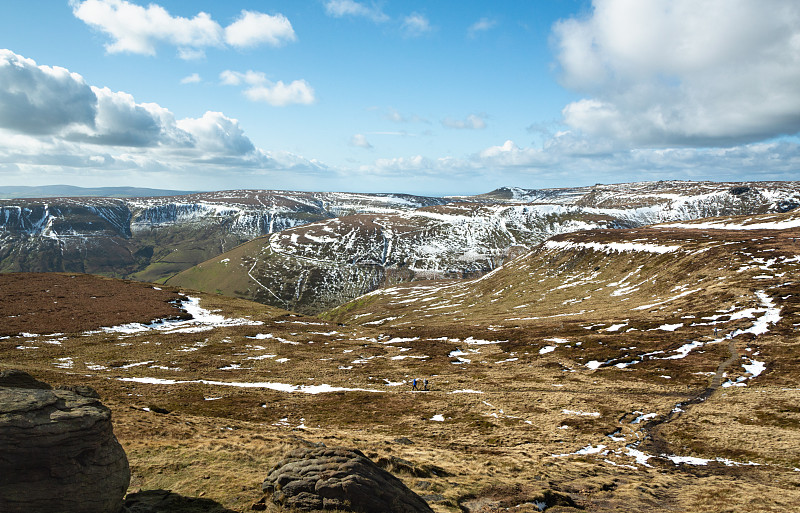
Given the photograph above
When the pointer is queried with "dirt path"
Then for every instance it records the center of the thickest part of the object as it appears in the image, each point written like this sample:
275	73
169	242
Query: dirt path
656	444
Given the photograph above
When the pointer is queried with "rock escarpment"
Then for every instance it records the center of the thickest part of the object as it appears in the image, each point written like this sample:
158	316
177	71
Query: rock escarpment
58	452
322	478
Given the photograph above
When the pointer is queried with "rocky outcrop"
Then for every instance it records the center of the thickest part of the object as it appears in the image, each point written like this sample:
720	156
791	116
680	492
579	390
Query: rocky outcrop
322	478
58	452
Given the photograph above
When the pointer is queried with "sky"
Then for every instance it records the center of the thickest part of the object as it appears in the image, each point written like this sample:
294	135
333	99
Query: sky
433	98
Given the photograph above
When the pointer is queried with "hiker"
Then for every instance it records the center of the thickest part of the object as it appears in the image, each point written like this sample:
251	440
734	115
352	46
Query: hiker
414	384
425	385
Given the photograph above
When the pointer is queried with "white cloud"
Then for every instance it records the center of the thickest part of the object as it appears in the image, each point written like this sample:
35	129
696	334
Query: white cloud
261	89
473	122
482	25
217	134
42	99
511	155
280	94
682	73
250	77
578	160
120	121
194	78
50	119
191	54
402	165
136	29
360	141
254	28
341	8
416	24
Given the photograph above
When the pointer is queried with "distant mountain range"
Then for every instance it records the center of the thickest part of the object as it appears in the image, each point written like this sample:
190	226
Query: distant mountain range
70	191
310	251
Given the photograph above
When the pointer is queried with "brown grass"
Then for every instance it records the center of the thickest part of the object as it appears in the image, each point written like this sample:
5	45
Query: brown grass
497	448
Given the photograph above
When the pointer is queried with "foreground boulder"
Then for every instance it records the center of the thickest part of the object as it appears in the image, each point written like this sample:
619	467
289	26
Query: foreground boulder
58	452
322	478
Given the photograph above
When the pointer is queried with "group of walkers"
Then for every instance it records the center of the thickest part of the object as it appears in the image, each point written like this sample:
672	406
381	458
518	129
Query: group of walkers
415	385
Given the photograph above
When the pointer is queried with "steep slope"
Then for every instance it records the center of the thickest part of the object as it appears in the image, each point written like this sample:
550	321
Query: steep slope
605	274
314	267
153	238
77	235
320	265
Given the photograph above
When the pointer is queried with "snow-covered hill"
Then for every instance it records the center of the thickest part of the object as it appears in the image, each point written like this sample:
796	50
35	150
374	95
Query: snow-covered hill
152	238
327	247
319	265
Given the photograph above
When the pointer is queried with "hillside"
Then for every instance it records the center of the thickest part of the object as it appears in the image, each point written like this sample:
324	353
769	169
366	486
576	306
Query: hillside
314	267
320	265
614	273
153	238
614	370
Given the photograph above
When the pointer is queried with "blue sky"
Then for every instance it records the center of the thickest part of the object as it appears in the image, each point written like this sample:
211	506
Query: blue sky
389	96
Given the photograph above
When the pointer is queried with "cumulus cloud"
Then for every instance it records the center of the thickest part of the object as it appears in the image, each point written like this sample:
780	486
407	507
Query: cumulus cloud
473	122
341	8
136	29
254	28
120	121
416	25
510	155
277	93
482	25
360	141
280	94
682	73
215	133
50	118
42	99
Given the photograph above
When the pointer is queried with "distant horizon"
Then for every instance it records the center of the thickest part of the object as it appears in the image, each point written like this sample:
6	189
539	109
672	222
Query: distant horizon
5	190
413	97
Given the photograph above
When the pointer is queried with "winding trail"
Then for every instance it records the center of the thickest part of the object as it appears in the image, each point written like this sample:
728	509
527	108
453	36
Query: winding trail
655	444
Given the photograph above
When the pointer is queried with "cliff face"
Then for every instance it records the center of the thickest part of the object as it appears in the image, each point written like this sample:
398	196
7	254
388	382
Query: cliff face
154	238
64	218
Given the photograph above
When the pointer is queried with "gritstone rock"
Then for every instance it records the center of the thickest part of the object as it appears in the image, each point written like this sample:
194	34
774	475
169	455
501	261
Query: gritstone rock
322	478
58	452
